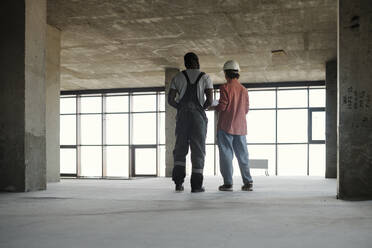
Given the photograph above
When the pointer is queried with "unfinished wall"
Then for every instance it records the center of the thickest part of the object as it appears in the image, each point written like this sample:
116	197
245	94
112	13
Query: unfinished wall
331	119
22	96
170	123
355	100
53	48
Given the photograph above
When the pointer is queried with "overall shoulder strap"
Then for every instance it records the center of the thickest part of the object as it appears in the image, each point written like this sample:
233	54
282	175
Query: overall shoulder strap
199	77
187	77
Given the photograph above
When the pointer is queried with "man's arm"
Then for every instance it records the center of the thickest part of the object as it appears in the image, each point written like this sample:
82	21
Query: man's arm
247	106
209	95
172	98
224	100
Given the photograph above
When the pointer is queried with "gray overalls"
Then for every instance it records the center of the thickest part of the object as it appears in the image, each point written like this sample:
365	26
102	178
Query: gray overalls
191	130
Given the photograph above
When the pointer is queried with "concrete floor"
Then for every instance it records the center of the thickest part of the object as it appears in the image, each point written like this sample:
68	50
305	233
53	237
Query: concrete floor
281	212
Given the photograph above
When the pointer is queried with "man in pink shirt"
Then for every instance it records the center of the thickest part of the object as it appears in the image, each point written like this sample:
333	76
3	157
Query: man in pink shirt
232	128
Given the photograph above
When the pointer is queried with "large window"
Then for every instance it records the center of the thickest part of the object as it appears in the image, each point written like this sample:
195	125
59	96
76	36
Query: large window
112	135
68	137
286	126
123	134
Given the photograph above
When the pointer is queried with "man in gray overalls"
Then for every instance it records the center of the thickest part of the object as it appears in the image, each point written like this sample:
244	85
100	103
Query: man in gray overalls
191	127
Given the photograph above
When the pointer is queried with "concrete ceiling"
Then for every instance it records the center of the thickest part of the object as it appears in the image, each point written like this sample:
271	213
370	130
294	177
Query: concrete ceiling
126	43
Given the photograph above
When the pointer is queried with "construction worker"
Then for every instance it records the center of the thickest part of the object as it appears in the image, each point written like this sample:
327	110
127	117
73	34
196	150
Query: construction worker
192	86
232	107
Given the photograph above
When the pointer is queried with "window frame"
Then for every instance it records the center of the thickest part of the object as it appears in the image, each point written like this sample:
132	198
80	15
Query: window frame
160	91
310	126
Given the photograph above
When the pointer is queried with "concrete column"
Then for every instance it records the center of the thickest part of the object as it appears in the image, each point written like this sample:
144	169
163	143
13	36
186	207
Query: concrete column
53	49
331	119
170	123
22	95
355	100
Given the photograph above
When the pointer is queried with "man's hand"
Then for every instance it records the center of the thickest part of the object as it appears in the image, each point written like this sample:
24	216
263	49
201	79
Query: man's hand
172	98
209	95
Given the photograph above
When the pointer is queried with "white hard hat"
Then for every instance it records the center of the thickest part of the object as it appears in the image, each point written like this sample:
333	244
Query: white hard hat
231	65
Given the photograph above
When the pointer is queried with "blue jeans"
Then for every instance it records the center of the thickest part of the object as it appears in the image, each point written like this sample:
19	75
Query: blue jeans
229	144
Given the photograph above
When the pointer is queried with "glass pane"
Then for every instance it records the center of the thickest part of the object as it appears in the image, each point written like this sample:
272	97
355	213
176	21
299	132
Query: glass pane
217	161
145	93
144	103
91	95
210	130
217	95
116	94
91	161
144	128
145	161
317	160
292	98
68	105
209	161
68	161
117	129
116	104
292	160
318	125
292	126
91	129
317	98
91	104
188	163
162	102
261	99
162	161
117	161
263	152
162	128
68	130
261	126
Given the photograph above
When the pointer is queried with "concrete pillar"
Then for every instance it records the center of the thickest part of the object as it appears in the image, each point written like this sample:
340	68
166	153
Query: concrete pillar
53	49
170	123
22	95
355	100
331	119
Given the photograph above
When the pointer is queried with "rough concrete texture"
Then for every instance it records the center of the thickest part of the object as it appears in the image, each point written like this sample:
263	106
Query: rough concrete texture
114	44
170	124
12	125
53	49
22	122
35	42
355	100
280	212
331	119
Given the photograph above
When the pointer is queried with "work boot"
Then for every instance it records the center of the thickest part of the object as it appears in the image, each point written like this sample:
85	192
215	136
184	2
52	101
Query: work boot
225	187
179	188
198	190
247	187
196	181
